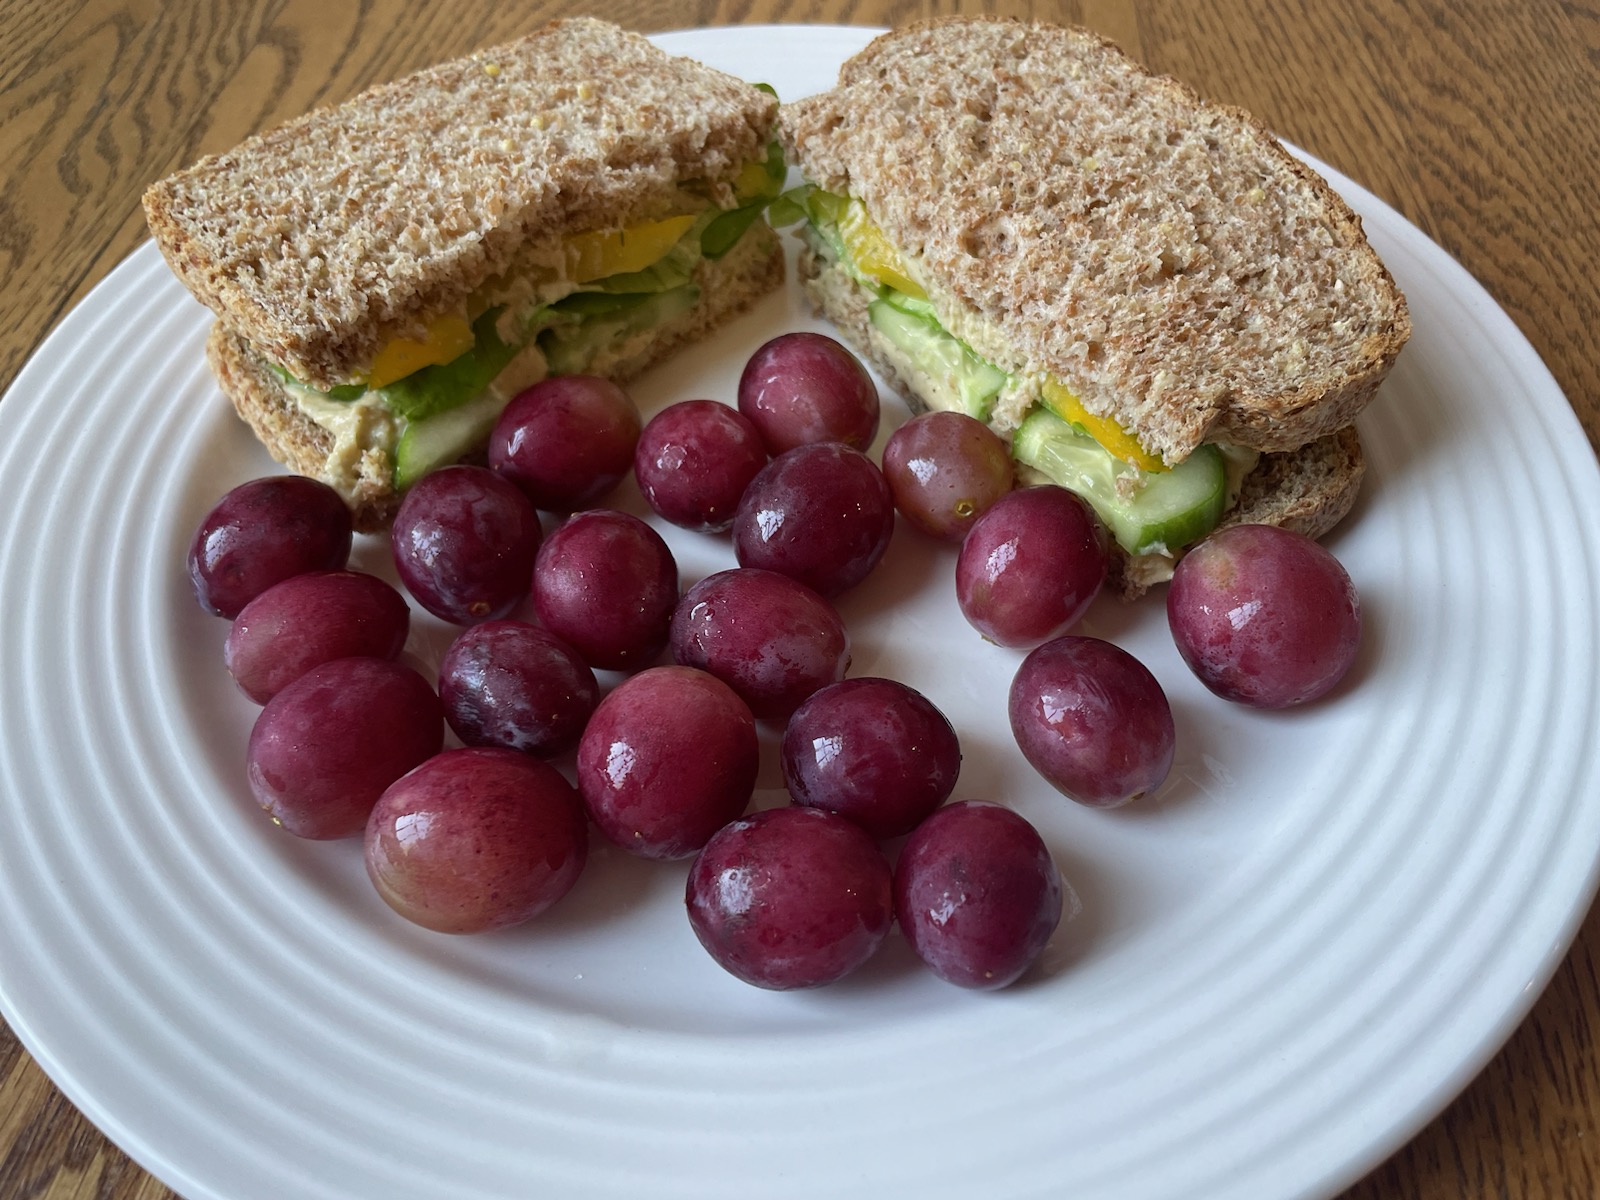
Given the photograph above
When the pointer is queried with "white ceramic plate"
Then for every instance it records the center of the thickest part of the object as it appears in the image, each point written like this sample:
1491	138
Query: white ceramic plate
1284	964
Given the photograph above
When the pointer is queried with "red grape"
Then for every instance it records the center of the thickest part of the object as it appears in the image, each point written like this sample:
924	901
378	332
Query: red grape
566	441
873	750
307	620
790	898
668	759
605	583
512	684
1264	616
803	388
772	640
821	514
977	894
463	544
263	532
1092	720
476	839
945	470
694	460
325	748
1031	566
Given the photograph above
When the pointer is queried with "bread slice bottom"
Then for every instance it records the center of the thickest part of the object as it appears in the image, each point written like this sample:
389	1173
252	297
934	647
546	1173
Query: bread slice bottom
728	286
1309	489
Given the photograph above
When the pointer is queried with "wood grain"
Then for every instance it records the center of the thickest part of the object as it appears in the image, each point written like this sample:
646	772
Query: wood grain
1479	121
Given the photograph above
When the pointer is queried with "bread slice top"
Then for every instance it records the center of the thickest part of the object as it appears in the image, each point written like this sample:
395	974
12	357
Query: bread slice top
1163	257
324	238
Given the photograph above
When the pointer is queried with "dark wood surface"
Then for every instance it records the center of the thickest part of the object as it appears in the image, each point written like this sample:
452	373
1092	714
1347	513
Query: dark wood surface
1478	120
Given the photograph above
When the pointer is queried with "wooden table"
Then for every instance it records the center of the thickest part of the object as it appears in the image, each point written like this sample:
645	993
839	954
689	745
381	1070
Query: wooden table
1479	120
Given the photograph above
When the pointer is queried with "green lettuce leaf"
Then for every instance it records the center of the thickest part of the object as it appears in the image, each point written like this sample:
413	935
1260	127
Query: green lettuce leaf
444	386
345	393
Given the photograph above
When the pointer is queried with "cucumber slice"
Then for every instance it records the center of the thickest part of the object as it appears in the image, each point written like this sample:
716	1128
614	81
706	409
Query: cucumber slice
1170	510
956	377
910	305
574	349
441	440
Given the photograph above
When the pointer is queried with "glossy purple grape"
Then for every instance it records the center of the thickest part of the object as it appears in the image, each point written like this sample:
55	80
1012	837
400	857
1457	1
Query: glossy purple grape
516	685
803	388
873	750
821	514
790	898
668	759
977	894
770	639
566	441
945	470
1264	616
694	460
325	748
476	839
606	584
1091	719
463	543
263	532
1031	566
307	620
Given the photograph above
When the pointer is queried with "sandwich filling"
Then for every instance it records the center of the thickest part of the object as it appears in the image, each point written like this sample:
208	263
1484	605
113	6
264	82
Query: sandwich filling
957	359
583	304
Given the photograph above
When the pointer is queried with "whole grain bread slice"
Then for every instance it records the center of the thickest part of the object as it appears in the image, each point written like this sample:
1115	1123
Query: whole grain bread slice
1309	489
1162	256
728	286
321	240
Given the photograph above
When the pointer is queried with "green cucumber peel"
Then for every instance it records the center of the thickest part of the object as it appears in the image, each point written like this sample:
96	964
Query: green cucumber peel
967	383
344	393
442	439
1165	512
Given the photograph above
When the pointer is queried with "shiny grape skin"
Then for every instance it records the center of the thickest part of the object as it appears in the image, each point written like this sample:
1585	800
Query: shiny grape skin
566	441
263	532
463	544
476	839
790	898
803	388
945	470
693	462
873	750
1031	566
1264	616
821	514
307	620
772	640
606	584
325	748
977	894
668	758
1093	720
515	685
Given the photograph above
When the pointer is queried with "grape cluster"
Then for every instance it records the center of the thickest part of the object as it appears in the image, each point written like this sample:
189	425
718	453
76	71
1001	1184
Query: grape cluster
351	741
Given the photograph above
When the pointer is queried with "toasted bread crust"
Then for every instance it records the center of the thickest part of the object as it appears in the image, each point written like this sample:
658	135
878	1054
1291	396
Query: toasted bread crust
1162	256
1309	489
322	239
728	287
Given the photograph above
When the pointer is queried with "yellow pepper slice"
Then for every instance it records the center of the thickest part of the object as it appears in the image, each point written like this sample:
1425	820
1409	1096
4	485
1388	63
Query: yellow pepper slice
874	254
1059	400
602	252
448	338
752	180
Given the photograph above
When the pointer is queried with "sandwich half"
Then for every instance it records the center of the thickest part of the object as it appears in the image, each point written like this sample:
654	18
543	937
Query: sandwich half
388	274
1160	307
